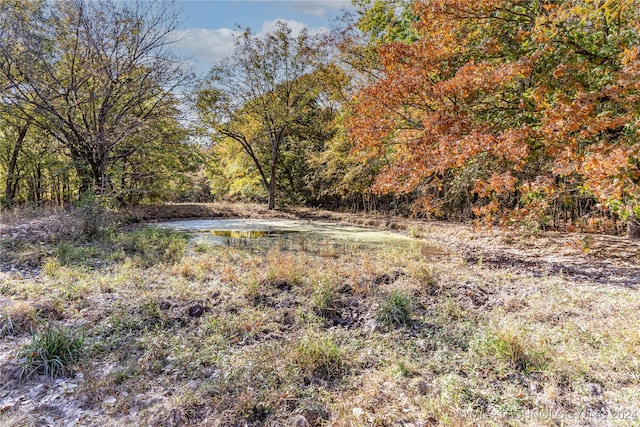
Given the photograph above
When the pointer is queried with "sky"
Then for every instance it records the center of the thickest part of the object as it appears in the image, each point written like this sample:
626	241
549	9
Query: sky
206	33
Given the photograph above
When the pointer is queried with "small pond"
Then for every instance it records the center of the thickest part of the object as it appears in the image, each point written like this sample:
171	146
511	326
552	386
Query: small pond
226	231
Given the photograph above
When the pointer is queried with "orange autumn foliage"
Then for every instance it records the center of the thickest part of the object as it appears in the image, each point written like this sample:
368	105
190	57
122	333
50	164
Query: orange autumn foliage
496	97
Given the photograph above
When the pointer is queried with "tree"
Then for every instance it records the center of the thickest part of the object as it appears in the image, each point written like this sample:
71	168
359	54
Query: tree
264	97
387	21
93	74
508	109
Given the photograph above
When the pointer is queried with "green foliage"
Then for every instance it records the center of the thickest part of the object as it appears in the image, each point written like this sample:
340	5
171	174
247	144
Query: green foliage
265	107
50	151
52	352
396	310
387	20
69	253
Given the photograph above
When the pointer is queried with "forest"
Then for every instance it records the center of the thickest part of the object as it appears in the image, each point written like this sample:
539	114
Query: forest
509	112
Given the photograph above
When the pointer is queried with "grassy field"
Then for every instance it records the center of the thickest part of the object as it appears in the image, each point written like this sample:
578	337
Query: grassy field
130	325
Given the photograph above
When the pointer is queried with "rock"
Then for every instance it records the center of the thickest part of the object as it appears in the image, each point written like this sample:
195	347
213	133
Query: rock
164	305
111	400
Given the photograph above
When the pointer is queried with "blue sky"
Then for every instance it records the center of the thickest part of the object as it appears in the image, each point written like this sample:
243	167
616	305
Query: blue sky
206	34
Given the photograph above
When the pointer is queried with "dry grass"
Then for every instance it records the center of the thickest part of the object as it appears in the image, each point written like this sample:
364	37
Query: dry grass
292	334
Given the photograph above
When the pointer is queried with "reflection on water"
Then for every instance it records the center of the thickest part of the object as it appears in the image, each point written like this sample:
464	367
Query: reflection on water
248	234
300	233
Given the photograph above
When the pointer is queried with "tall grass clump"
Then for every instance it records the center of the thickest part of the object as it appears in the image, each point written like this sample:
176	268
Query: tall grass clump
325	299
508	346
52	352
318	356
396	311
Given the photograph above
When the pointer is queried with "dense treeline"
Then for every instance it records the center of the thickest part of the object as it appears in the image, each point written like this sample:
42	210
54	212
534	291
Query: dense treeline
517	112
514	111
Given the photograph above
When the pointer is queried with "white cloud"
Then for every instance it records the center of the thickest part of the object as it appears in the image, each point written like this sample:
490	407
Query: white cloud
206	46
209	46
320	8
296	27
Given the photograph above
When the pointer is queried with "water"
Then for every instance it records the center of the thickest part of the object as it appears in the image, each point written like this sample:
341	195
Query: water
233	231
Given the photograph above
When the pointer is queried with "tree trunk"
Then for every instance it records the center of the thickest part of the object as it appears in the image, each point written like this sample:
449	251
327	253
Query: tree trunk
272	195
633	228
275	151
11	183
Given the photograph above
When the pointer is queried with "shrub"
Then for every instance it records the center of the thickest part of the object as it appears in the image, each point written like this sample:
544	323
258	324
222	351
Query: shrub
52	352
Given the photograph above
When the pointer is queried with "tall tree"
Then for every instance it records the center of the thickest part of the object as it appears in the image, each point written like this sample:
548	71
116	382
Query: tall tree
260	97
95	74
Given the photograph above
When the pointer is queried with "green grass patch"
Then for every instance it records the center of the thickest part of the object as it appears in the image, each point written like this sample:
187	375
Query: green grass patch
52	352
325	299
397	310
318	356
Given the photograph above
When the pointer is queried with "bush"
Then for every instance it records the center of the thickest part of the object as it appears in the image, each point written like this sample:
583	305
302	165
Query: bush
52	352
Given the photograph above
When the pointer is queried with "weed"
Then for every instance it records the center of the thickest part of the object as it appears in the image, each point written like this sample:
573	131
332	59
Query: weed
70	253
122	375
428	276
414	232
401	370
253	290
396	311
52	352
154	245
51	266
199	247
283	265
